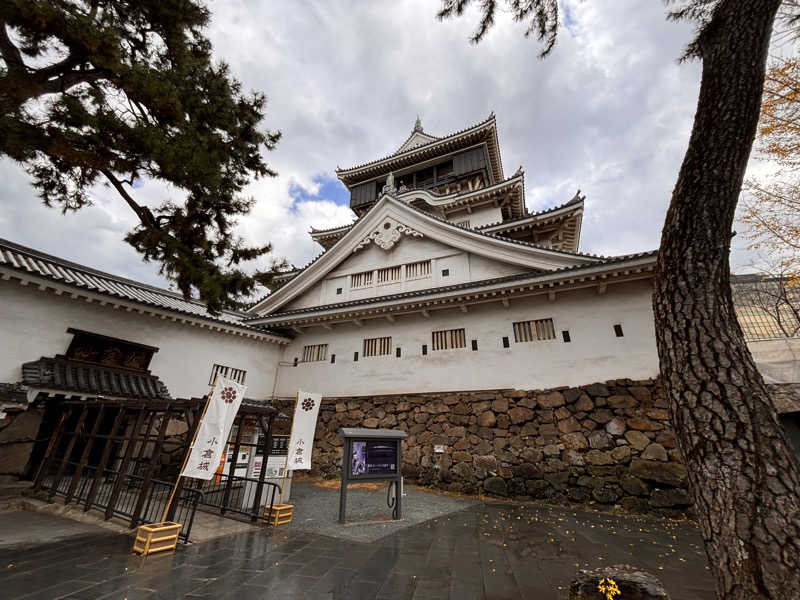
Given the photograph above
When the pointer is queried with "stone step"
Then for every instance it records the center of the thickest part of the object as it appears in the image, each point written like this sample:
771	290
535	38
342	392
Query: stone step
17	488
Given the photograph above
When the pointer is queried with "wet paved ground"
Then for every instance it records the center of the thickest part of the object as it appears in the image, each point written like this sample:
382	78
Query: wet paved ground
368	514
491	551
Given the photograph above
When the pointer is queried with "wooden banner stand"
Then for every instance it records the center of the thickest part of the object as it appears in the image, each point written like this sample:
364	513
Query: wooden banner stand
162	536
281	514
157	537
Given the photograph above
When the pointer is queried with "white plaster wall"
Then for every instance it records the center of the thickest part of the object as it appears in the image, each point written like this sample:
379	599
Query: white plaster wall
478	217
34	324
594	354
481	268
778	360
462	267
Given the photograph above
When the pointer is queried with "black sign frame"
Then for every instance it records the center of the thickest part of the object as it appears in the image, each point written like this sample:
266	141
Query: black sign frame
381	436
366	476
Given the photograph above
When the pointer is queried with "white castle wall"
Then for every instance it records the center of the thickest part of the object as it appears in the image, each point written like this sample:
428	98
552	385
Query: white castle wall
778	360
34	324
462	267
594	354
484	215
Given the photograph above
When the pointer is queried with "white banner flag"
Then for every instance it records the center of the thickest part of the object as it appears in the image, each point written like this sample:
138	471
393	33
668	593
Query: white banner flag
212	435
303	426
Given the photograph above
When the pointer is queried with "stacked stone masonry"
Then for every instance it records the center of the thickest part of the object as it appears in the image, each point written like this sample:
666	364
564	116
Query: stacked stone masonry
606	443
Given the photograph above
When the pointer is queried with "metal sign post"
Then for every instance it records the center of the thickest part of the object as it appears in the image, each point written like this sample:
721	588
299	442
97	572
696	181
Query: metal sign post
372	455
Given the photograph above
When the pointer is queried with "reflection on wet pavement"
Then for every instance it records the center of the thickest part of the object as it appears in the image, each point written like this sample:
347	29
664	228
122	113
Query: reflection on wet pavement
487	551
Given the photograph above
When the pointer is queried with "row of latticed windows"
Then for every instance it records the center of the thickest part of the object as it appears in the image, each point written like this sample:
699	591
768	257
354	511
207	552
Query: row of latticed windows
448	339
315	352
415	270
237	375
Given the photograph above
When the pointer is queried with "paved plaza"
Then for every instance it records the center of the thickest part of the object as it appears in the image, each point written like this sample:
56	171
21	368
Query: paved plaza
487	551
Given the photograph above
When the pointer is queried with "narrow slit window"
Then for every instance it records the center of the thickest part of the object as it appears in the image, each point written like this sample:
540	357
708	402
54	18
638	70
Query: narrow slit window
389	275
418	270
424	349
361	280
315	353
397	352
333	358
448	339
505	341
377	346
566	337
238	375
534	331
474	345
618	330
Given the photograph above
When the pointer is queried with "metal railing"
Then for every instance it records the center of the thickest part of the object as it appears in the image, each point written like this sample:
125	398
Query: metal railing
122	493
245	496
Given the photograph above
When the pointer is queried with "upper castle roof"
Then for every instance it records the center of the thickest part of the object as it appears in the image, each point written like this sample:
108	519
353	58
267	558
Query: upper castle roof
421	146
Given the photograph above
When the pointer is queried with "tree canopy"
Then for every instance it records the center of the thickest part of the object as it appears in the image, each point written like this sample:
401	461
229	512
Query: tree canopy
109	92
772	203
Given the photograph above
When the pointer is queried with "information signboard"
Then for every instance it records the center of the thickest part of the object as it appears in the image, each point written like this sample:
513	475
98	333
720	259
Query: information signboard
373	457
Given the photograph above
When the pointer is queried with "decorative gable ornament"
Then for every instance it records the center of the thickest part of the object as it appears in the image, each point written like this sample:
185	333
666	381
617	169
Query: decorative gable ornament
387	234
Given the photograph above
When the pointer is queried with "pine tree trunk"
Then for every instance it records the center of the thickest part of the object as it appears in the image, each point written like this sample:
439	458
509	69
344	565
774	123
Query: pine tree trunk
744	477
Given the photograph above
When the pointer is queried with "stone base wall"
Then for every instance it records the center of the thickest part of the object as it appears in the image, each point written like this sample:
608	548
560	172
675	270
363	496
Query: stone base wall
18	430
606	443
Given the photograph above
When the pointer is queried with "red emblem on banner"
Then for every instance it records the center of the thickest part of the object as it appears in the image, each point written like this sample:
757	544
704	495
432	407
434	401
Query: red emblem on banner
228	395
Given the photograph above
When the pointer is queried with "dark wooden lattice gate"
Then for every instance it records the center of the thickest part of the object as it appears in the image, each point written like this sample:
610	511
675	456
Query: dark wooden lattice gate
113	455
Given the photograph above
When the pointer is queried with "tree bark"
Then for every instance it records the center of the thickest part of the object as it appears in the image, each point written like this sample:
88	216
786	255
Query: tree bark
744	476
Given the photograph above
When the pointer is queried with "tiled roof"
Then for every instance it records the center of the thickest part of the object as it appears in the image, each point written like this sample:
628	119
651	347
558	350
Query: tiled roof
84	378
344	173
28	260
415	148
315	231
496	236
577	199
511	240
12	393
414	131
456	287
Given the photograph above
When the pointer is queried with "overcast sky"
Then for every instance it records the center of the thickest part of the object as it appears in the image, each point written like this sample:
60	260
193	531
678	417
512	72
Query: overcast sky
609	113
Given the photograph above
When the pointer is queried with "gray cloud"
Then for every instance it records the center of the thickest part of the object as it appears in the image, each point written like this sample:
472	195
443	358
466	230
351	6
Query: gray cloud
608	112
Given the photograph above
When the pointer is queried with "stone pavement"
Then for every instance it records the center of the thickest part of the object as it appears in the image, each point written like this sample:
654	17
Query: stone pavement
368	514
486	551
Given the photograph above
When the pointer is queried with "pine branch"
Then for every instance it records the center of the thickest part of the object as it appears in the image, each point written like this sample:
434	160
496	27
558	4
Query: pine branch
10	53
144	213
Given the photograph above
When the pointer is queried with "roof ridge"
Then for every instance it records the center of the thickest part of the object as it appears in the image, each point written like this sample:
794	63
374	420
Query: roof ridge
505	239
538	213
456	195
94	271
435	138
41	264
446	222
463	285
490	118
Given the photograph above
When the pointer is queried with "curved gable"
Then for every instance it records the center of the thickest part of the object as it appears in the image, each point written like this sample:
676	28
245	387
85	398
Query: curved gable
389	223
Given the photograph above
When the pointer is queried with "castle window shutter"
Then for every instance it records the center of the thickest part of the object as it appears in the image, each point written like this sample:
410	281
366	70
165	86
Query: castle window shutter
469	161
363	194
